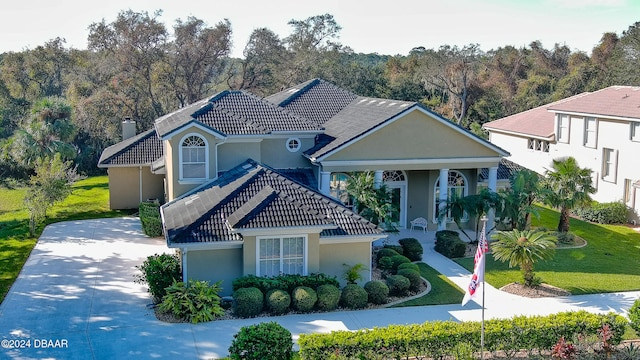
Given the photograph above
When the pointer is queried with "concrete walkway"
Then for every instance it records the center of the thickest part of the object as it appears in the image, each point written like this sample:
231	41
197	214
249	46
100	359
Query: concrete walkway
75	299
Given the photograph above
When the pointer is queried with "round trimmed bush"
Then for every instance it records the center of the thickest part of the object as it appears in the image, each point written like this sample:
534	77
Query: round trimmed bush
264	341
396	260
377	292
354	297
386	252
328	297
398	285
277	301
385	263
415	281
397	248
410	266
248	302
634	316
411	248
303	298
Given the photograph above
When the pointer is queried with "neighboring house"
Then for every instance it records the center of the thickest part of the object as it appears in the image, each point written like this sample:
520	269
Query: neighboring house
600	129
252	185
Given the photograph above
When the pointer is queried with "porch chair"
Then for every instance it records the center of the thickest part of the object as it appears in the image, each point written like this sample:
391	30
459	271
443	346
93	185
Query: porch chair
421	222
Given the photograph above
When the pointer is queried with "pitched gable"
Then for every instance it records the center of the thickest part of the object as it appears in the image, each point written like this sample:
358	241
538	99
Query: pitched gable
142	149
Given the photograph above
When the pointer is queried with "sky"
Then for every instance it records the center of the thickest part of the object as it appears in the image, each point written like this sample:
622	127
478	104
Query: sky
368	26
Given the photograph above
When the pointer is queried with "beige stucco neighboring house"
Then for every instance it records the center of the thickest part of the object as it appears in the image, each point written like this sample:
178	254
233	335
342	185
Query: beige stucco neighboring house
600	129
257	185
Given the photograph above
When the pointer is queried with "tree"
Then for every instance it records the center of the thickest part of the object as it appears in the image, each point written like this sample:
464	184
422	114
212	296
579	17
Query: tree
50	184
517	200
523	249
470	206
374	204
567	185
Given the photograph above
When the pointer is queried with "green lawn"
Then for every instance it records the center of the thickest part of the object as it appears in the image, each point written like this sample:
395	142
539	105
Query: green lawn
609	262
443	291
89	200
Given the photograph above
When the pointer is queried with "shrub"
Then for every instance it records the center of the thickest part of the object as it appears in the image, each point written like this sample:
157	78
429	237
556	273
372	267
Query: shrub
352	273
448	243
415	281
410	266
264	341
386	252
159	272
398	285
397	248
411	249
604	213
396	260
328	297
150	218
385	262
196	301
377	292
248	302
634	316
303	298
353	297
284	282
277	301
566	237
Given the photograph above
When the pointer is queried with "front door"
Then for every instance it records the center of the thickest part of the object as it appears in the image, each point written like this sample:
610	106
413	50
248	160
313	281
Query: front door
396	182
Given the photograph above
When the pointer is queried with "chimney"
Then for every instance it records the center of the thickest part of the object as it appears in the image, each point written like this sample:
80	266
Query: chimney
128	128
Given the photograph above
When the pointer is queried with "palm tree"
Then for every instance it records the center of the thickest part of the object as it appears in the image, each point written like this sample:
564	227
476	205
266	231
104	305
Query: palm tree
523	248
566	186
517	200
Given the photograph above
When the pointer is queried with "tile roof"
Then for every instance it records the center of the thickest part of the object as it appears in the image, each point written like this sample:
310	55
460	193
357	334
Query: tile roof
613	101
253	195
506	169
142	149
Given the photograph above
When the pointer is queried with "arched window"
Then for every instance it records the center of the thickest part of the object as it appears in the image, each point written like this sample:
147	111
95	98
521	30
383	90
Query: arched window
393	176
193	158
457	186
338	189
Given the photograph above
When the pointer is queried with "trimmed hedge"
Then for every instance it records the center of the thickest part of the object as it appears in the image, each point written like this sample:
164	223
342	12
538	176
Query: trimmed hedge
386	252
248	302
448	243
377	291
277	301
328	297
284	282
410	266
415	281
397	248
634	316
398	285
604	213
159	271
264	341
411	248
303	299
150	218
397	260
353	297
440	338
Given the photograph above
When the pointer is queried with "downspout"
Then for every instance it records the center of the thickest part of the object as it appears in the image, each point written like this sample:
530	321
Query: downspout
184	263
140	177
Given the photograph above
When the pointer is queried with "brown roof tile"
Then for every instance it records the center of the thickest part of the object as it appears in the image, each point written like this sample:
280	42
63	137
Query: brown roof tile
613	101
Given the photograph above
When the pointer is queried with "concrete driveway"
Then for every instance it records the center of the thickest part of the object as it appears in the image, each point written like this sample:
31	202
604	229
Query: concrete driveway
75	299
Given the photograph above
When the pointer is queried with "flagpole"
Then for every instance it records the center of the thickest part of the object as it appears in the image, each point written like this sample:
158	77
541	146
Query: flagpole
484	222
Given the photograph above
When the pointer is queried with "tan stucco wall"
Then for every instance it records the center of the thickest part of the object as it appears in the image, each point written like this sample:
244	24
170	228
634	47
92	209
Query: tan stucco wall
124	186
215	265
415	135
276	155
250	255
232	154
333	256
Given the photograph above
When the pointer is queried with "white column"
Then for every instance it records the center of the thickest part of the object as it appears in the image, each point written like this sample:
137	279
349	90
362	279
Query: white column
377	179
325	182
493	186
444	190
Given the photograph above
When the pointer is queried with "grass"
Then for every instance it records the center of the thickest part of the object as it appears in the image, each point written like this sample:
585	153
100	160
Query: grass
609	262
443	291
89	200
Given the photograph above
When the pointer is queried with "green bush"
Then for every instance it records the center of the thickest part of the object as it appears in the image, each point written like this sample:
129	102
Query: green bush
264	341
440	339
303	298
386	252
415	281
398	285
248	302
277	301
284	282
352	273
159	272
604	213
634	316
385	262
196	301
377	292
410	266
396	260
449	244
397	248
150	218
353	297
411	249
328	297
566	237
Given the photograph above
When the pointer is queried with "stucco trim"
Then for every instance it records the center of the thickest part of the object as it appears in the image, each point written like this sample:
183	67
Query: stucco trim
193	124
282	230
408	161
349	239
521	134
207	246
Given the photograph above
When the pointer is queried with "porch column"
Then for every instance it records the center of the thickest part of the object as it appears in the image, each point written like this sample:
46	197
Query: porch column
444	191
325	182
493	186
377	179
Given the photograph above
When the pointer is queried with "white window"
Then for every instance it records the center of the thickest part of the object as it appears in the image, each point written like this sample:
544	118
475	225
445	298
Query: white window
635	131
538	145
193	158
563	128
609	164
293	144
457	187
281	255
590	132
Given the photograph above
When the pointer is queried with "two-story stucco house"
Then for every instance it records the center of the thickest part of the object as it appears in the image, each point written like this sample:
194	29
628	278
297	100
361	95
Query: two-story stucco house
600	129
257	185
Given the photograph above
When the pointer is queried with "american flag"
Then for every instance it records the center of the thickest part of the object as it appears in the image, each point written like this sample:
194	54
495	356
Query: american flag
478	268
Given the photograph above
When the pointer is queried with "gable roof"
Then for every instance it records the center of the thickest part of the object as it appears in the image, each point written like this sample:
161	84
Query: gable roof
142	149
613	101
251	196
